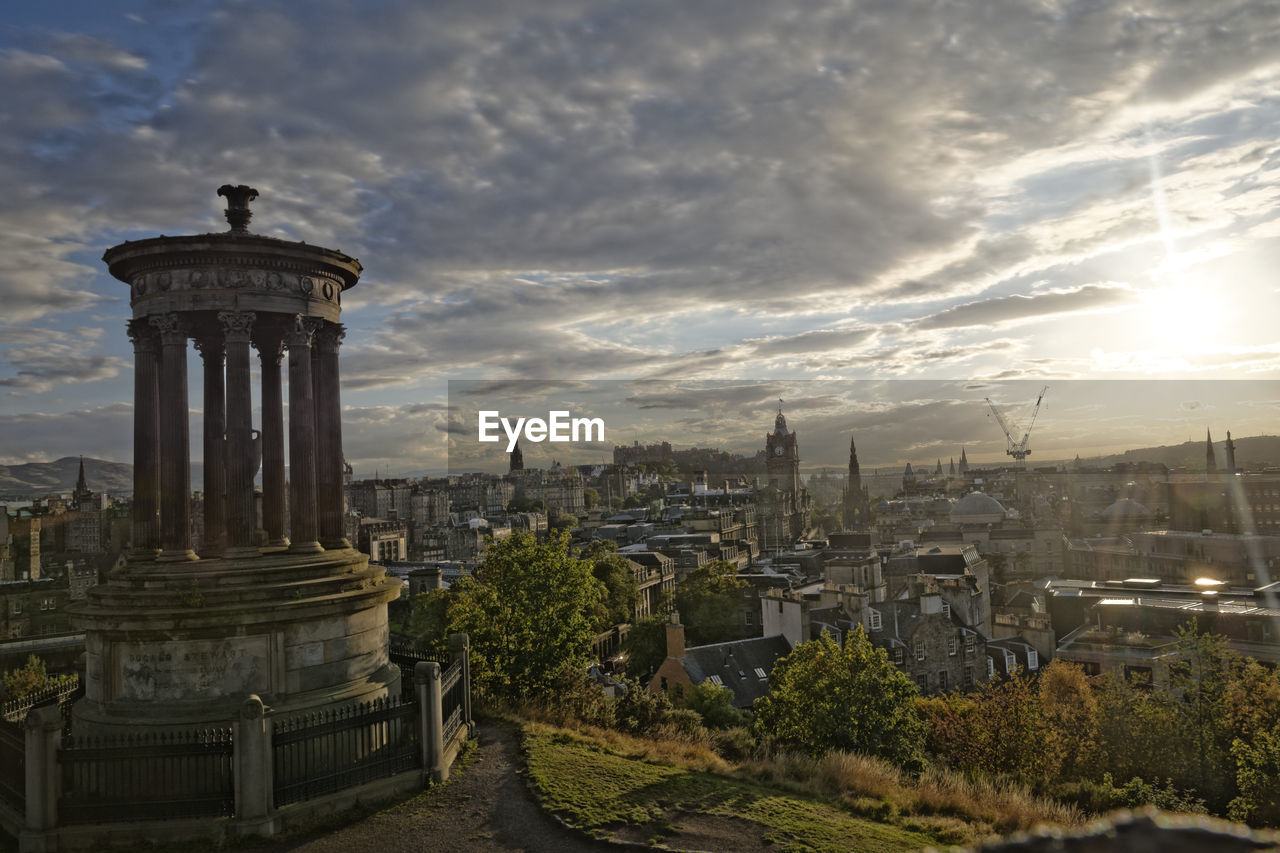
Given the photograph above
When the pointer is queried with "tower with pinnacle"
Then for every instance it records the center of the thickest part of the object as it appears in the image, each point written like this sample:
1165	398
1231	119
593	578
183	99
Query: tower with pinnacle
857	514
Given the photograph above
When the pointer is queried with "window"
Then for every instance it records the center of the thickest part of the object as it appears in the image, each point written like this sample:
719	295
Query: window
942	679
968	676
919	649
946	610
991	667
1033	659
968	644
760	674
923	680
953	646
715	679
48	604
875	620
898	655
16	607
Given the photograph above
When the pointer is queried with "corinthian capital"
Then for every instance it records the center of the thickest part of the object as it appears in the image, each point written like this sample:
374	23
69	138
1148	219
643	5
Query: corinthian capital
304	330
171	328
210	348
236	325
329	337
143	335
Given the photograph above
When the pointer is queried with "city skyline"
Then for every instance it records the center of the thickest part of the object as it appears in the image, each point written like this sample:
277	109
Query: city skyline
721	192
893	422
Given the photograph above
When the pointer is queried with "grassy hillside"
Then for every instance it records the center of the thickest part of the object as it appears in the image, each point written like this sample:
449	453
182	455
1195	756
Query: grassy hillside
625	788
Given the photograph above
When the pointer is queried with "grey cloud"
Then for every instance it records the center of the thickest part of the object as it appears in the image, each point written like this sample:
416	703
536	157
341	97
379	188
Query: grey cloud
105	432
39	367
1006	309
517	176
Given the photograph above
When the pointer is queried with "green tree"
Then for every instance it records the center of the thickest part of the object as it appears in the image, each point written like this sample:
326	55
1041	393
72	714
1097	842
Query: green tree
715	705
1199	682
710	604
561	521
646	646
823	697
429	621
1070	712
31	677
1257	779
590	498
529	612
615	572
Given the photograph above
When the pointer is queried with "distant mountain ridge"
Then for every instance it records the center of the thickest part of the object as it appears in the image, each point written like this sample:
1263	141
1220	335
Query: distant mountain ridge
1252	452
37	479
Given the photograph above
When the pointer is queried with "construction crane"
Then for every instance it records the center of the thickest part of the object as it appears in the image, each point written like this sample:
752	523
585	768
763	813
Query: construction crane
1017	449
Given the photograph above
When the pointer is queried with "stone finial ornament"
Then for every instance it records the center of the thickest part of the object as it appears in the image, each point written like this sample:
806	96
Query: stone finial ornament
238	212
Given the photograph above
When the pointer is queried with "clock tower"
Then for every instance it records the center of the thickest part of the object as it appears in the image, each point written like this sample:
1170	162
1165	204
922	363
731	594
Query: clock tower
783	457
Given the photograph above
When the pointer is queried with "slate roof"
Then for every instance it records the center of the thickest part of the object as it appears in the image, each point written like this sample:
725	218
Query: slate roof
735	664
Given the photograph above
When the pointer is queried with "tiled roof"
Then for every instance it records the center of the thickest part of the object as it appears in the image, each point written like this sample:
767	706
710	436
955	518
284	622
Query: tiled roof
735	665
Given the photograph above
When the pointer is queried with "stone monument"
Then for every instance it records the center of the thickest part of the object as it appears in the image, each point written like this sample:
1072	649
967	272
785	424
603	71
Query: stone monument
291	612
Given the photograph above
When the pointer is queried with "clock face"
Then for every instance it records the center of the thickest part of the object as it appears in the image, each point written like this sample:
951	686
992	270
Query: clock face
777	451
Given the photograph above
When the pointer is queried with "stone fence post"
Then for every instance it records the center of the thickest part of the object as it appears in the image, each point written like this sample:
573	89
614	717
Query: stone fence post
254	769
43	732
427	691
460	650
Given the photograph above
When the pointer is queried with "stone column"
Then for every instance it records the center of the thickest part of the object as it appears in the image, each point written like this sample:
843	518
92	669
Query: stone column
42	737
242	521
303	530
430	700
146	441
215	446
270	344
253	769
328	403
175	442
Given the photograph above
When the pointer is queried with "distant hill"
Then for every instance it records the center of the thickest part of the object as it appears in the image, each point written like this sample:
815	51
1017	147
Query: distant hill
37	479
1252	452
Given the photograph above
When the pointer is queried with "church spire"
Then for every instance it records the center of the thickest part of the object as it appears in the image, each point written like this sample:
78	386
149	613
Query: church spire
855	473
81	495
964	463
517	458
1210	463
1230	454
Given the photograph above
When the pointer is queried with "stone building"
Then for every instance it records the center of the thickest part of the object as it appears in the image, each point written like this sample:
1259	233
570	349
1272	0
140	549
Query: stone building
32	608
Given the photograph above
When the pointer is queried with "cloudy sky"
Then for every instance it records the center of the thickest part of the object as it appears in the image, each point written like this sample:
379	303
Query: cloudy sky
725	189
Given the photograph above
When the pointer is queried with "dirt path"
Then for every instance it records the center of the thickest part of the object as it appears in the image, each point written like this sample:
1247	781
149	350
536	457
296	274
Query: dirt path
485	807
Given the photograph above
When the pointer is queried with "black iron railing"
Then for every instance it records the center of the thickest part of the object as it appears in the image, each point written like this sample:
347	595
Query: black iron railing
452	700
64	693
147	777
407	657
13	766
328	751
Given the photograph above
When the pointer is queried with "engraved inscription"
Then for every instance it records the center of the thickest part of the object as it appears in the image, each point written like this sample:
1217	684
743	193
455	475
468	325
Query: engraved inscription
192	669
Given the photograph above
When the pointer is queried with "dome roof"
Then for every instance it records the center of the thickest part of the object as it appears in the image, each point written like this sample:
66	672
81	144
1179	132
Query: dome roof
977	504
1126	508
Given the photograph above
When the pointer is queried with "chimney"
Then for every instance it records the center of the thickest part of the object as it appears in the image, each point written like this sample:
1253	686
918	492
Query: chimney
675	640
435	577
